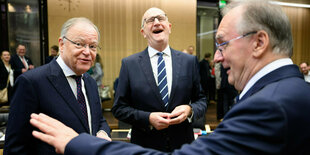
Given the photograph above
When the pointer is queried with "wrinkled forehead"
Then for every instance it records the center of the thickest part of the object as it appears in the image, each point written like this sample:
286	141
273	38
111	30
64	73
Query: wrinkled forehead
153	12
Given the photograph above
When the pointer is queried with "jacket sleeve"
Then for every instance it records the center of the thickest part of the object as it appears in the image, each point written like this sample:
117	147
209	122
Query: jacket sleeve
123	107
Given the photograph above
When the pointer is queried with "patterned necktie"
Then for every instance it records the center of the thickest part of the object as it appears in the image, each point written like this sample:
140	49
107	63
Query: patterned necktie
80	96
24	62
162	78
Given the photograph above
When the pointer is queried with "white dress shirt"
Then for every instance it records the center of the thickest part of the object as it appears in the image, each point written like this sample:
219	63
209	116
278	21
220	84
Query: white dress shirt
264	71
24	60
68	73
168	63
307	77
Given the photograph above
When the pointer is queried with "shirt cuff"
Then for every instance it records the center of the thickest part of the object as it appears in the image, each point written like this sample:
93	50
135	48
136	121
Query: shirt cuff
190	118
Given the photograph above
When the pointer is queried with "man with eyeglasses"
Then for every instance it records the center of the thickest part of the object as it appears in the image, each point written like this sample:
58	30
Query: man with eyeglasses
60	89
272	115
159	91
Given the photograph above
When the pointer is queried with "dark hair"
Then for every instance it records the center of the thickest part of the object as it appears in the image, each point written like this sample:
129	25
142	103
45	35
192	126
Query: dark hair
207	55
54	47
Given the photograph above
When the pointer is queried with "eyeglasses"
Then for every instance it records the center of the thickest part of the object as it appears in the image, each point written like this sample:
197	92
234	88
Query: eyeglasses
222	46
150	20
78	45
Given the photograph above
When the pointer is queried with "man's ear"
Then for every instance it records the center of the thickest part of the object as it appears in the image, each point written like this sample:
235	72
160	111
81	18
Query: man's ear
142	32
261	43
60	44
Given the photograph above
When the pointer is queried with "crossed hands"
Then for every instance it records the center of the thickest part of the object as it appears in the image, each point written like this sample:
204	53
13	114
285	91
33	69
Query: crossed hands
162	120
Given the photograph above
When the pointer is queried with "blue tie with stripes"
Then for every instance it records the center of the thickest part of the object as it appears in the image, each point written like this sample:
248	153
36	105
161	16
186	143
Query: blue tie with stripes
162	78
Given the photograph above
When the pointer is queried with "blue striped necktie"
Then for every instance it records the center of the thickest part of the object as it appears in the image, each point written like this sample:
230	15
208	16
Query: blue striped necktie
162	78
80	96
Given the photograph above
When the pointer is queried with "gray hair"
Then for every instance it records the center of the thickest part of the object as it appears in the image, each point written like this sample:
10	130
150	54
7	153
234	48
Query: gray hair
71	22
262	15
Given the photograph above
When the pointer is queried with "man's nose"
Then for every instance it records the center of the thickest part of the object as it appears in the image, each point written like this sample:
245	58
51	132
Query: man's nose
156	21
218	57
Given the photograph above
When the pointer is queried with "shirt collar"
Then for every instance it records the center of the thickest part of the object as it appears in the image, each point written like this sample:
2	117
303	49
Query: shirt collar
264	71
153	52
67	71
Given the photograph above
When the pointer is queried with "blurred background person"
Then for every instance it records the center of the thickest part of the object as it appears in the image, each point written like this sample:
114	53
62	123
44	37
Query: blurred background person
226	94
190	50
6	74
20	63
54	53
304	68
96	72
205	74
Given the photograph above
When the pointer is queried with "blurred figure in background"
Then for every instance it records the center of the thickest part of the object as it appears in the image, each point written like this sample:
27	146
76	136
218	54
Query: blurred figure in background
6	74
20	63
304	68
190	50
54	53
96	72
205	74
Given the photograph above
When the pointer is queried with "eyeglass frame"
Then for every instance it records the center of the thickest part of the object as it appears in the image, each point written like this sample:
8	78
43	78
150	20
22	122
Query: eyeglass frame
85	45
236	38
155	17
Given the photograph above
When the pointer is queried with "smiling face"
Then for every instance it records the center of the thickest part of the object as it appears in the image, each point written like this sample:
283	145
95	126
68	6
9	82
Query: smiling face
236	54
304	68
156	32
79	60
21	50
5	56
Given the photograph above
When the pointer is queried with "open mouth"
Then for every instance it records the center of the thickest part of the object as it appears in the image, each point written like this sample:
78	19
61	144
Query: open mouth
157	31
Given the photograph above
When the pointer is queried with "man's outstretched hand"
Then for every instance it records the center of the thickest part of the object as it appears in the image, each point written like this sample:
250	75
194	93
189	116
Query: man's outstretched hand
53	132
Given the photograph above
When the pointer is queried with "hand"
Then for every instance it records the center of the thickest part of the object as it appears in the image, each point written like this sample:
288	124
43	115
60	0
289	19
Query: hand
180	114
159	120
24	70
54	133
103	134
31	67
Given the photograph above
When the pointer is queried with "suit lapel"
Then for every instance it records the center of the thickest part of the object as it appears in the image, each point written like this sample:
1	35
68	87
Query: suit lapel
62	86
176	67
145	64
276	75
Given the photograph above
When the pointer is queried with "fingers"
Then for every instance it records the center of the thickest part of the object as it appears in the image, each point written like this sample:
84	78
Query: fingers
43	137
42	126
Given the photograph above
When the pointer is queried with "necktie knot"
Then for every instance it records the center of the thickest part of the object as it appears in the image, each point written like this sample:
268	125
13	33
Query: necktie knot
77	78
160	54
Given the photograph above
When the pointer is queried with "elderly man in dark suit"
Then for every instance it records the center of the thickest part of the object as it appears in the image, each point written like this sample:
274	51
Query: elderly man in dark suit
20	63
60	89
255	43
159	89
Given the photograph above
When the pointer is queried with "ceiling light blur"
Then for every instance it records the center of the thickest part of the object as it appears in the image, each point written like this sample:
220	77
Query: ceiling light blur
290	4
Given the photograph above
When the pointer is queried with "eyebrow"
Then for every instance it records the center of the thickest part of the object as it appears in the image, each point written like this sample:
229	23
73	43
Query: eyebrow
82	39
219	36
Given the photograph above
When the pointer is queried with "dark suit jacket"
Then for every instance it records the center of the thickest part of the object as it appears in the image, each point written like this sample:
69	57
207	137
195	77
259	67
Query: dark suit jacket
17	65
137	96
204	70
3	76
48	59
272	118
46	90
